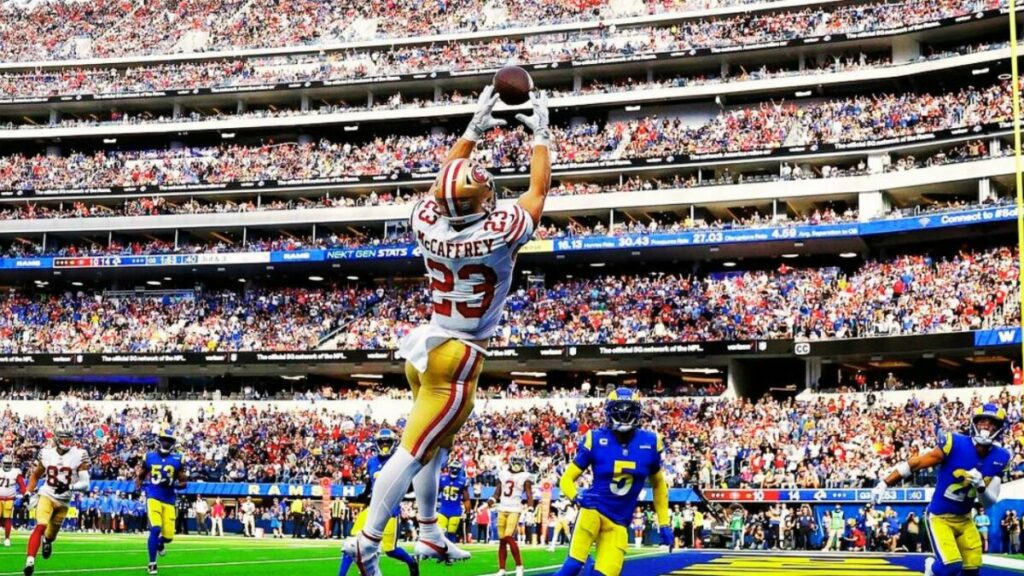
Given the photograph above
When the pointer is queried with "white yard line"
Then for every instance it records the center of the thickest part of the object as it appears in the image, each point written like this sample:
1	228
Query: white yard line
205	565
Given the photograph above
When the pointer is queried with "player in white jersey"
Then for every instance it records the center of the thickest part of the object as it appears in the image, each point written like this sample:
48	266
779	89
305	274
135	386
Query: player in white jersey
66	470
512	484
11	483
469	248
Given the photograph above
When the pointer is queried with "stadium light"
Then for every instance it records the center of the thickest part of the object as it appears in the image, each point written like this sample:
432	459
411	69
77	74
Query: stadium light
167	278
632	108
316	278
530	374
790	255
354	128
803	93
848	255
729	264
597	264
369	376
979	71
153	282
110	140
353	278
242	280
227	135
76	283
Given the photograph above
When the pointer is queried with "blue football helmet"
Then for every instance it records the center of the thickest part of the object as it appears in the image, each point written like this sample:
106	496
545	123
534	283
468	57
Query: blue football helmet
166	440
455	468
994	414
385	441
622	410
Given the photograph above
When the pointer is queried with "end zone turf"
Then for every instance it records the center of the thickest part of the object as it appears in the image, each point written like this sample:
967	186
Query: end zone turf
93	554
775	563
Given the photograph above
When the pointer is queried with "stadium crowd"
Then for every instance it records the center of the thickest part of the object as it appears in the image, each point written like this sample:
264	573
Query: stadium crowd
710	442
254	319
46	32
164	205
901	295
262	71
53	30
904	295
763	127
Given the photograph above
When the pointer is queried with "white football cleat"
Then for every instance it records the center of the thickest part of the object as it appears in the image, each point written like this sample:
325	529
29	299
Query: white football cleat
439	548
365	553
519	571
500	572
152	571
7	542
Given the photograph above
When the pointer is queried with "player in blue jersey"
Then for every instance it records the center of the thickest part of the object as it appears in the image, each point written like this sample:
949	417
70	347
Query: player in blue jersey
162	474
454	499
385	441
623	458
970	468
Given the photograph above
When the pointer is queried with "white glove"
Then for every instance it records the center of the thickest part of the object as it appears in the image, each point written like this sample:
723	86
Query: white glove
975	478
482	119
878	492
538	121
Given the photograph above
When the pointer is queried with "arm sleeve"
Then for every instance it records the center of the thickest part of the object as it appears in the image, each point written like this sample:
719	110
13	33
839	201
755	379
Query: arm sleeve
660	487
521	226
991	494
567	483
83	481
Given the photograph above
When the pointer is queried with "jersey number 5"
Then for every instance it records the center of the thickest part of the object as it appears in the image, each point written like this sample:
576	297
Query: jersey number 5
622	480
445	284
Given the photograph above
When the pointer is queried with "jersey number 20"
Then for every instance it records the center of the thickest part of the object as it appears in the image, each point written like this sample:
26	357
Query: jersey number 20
960	491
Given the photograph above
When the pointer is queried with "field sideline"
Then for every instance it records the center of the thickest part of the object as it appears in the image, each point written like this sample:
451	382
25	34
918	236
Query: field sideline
234	556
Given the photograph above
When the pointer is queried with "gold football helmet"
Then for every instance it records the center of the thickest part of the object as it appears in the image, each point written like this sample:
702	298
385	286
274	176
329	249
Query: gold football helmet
464	190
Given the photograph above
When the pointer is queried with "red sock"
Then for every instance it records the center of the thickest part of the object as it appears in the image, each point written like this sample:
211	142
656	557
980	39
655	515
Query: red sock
35	540
502	554
515	551
8	524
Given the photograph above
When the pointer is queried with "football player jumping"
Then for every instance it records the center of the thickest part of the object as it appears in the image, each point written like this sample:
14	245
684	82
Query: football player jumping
469	247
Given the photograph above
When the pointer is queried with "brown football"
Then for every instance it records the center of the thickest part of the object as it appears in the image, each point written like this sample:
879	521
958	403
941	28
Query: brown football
513	85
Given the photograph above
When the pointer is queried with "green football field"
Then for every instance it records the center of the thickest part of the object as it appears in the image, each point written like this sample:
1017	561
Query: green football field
233	556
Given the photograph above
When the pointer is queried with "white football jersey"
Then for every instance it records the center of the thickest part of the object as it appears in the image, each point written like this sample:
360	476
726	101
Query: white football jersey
9	483
470	269
511	488
61	469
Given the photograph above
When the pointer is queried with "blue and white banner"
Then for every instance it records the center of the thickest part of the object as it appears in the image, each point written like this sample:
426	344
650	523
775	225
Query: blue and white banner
576	244
821	495
997	337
